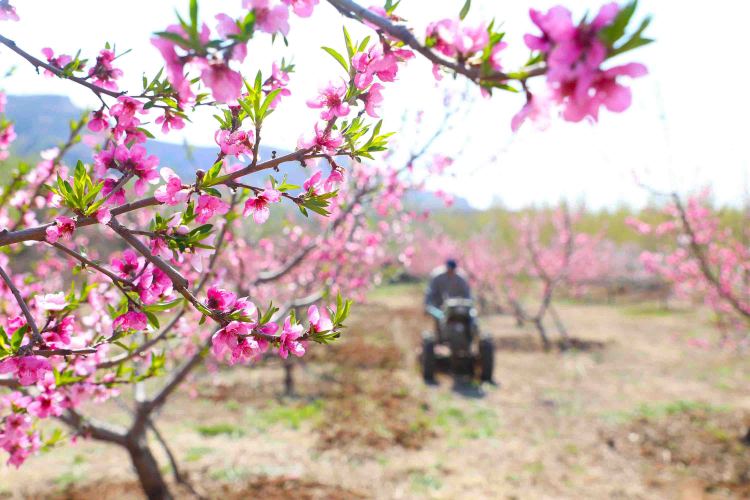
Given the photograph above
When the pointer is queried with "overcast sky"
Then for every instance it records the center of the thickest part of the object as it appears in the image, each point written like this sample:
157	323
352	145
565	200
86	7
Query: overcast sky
687	126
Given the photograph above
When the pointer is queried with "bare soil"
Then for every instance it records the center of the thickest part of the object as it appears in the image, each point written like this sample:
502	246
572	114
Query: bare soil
631	410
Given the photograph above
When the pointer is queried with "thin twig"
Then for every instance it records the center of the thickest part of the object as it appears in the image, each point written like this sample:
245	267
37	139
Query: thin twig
36	337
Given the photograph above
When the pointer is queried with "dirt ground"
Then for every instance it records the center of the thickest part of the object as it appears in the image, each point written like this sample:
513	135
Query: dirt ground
638	413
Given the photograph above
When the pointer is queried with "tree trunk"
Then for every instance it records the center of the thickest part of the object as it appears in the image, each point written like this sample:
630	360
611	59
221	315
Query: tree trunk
542	334
147	469
288	377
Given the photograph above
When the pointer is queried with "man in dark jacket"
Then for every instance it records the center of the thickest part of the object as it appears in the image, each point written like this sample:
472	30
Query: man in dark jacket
445	282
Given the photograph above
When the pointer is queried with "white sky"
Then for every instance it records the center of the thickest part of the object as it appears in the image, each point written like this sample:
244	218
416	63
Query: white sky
687	126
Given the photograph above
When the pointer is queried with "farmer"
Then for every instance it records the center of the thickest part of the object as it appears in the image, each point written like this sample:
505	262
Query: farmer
445	282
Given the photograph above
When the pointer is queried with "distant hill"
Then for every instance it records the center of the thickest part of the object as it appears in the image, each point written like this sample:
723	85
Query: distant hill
41	122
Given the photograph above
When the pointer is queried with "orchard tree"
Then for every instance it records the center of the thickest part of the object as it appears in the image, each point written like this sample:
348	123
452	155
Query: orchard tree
703	260
147	297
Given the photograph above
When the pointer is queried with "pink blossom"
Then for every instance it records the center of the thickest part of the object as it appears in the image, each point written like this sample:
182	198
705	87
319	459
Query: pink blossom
103	74
116	199
259	205
7	136
379	60
225	83
208	206
269	19
303	8
332	100
15	401
440	163
225	340
312	185
131	320
556	26
173	192
536	109
288	342
640	226
153	285
98	121
63	227
3	101
61	334
58	62
170	121
574	55
335	178
47	404
247	349
137	161
495	59
453	39
326	140
279	79
174	62
320	321
237	143
266	329
220	300
128	265
103	215
8	12
27	369
227	27
51	301
125	109
373	98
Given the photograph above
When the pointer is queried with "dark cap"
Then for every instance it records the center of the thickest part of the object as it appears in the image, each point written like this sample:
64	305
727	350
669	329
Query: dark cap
451	264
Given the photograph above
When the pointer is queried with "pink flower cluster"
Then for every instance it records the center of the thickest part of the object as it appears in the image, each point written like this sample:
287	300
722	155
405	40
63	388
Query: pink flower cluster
574	55
247	340
58	62
238	143
278	80
8	12
7	136
63	227
216	73
173	192
258	205
134	160
452	38
103	73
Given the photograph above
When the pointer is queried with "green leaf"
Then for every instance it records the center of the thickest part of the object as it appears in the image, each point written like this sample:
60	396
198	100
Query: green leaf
263	111
194	13
348	42
465	10
17	337
174	37
338	57
152	319
616	30
163	307
4	340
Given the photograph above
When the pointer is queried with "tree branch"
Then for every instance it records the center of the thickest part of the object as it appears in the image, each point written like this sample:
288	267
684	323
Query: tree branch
38	63
36	337
355	11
